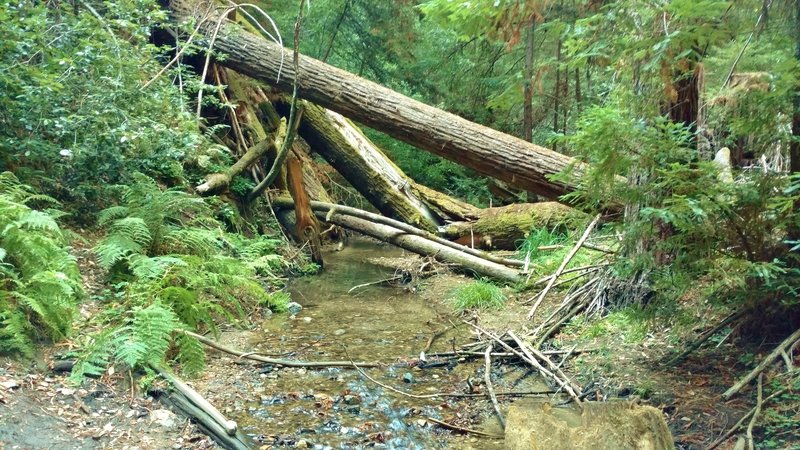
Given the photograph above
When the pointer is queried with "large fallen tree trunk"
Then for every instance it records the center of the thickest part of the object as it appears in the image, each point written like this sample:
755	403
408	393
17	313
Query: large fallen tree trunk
367	169
423	246
519	163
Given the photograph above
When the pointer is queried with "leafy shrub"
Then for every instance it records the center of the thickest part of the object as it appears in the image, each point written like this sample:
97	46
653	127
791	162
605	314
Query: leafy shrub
478	294
74	117
39	280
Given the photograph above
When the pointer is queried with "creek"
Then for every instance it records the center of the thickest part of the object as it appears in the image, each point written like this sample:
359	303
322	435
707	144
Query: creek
340	408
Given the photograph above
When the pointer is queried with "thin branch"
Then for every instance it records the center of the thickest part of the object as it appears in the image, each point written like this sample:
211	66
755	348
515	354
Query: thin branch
277	362
487	377
756	413
464	430
563	265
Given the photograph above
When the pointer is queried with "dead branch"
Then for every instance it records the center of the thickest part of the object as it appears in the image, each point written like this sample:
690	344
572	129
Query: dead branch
706	336
464	430
763	365
752	423
565	384
487	376
277	362
229	426
563	265
738	424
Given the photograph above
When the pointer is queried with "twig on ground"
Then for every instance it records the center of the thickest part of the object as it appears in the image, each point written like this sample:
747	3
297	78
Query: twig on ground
487	374
372	283
788	342
277	362
563	383
738	424
563	265
706	336
756	413
464	430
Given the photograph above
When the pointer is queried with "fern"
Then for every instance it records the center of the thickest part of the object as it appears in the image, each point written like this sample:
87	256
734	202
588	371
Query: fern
190	355
40	287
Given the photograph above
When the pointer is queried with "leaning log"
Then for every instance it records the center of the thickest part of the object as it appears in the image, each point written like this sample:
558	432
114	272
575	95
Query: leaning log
490	152
423	246
364	166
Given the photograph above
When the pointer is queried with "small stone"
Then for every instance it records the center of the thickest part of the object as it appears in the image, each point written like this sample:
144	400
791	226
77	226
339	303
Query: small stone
350	399
294	308
307	319
408	378
302	443
163	417
339	332
9	384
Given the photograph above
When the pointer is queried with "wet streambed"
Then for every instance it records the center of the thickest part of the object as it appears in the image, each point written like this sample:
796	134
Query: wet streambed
339	408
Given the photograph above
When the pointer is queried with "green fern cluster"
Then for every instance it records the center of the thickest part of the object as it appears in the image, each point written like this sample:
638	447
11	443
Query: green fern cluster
39	280
180	271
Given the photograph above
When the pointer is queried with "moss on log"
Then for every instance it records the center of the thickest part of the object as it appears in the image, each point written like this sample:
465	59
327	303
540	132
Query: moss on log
505	227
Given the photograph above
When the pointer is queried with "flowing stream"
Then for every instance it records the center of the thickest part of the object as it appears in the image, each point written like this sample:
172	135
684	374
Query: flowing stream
339	408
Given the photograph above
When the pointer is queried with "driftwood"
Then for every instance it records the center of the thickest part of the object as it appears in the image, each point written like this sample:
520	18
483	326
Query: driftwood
376	218
759	402
519	163
423	246
788	342
275	361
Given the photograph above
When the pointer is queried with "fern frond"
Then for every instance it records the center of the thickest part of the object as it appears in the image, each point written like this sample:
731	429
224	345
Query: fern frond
192	241
150	268
109	214
133	228
37	220
153	327
191	355
114	249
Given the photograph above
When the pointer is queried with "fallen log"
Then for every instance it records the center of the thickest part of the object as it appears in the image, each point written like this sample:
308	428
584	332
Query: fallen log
423	246
365	167
375	218
505	227
519	163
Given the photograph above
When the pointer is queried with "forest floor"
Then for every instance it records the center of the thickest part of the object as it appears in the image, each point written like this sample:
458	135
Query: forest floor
40	409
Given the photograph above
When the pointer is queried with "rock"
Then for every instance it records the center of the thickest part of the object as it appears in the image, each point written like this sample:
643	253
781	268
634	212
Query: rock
307	319
602	426
294	308
301	444
164	418
350	399
339	332
408	378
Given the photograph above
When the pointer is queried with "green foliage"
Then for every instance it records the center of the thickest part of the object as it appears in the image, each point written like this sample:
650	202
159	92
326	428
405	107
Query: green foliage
74	117
181	271
479	294
39	281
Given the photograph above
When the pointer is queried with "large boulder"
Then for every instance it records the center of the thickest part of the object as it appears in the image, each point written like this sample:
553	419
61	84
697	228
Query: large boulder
612	426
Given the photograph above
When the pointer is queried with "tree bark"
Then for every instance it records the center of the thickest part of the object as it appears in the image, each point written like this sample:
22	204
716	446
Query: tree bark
365	166
527	113
306	225
423	246
521	164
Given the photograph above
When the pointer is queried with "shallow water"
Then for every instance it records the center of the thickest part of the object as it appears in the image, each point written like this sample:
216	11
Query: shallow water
339	408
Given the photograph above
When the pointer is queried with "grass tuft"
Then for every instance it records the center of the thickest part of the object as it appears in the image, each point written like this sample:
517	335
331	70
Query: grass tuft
478	295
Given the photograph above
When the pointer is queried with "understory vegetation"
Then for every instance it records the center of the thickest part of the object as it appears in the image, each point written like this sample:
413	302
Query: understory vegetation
682	118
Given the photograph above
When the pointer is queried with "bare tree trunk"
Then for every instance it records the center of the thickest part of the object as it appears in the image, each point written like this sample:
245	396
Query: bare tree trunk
557	93
521	164
527	114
